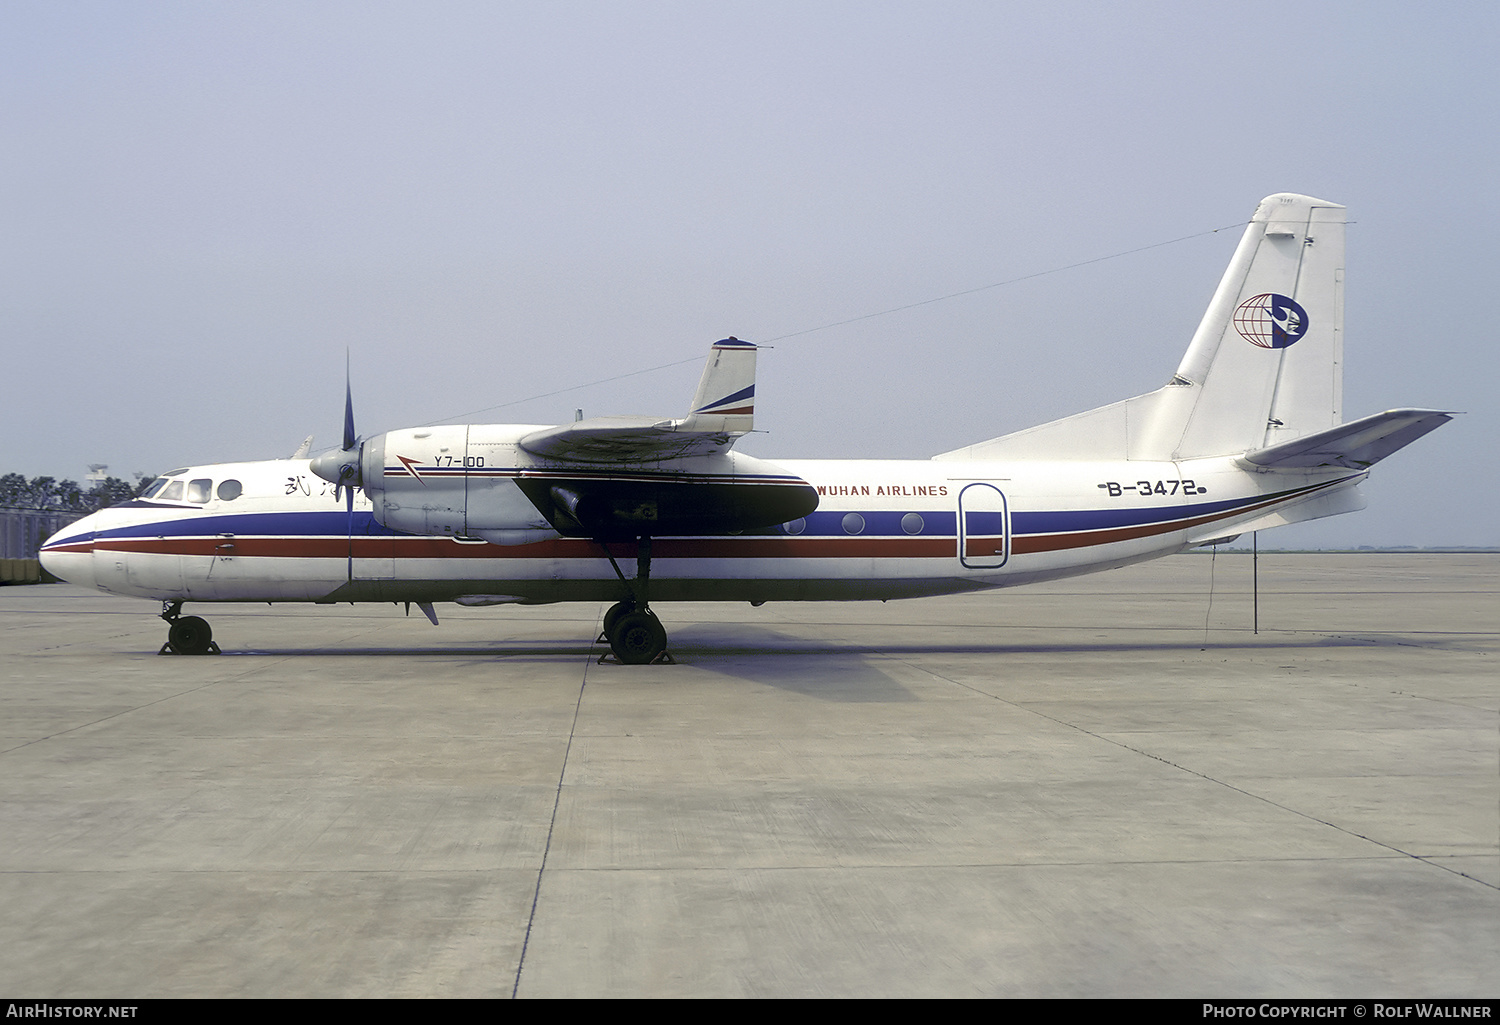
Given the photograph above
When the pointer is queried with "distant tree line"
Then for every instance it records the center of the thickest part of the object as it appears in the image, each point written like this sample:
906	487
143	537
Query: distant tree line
16	492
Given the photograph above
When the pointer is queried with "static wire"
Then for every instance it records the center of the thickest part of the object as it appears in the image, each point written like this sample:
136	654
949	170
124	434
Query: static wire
842	323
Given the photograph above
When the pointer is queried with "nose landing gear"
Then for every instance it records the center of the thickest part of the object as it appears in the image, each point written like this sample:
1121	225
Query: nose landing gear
186	635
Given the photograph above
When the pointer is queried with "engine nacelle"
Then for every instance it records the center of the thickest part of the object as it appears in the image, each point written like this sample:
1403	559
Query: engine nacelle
476	481
442	481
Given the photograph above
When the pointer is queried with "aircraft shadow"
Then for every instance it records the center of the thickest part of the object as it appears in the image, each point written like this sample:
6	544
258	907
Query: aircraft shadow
841	673
708	650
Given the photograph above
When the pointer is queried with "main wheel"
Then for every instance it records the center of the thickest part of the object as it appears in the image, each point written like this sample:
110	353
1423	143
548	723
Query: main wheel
638	638
612	617
190	635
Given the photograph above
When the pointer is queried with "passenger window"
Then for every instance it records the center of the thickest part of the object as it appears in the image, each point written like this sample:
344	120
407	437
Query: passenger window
199	490
173	492
230	490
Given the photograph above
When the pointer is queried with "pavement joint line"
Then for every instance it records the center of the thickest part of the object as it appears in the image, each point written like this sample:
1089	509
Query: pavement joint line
1194	772
562	774
889	866
206	685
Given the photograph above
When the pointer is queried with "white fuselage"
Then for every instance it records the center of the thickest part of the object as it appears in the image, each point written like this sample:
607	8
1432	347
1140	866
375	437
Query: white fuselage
882	529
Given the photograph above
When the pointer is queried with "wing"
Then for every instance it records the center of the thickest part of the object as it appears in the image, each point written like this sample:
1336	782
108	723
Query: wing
723	411
630	476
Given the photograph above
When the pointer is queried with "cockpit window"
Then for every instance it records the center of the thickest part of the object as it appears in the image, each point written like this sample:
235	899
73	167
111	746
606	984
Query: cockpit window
199	490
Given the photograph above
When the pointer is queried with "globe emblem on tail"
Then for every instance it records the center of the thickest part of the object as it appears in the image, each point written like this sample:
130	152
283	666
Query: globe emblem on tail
1271	321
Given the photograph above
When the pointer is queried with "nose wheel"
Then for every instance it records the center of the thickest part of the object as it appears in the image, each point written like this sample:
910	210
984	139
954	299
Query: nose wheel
186	635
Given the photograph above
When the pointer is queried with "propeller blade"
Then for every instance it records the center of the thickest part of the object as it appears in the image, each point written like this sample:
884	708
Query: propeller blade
349	505
349	436
341	467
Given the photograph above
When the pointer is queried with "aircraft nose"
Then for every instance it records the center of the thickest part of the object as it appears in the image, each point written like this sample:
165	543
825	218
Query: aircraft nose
69	554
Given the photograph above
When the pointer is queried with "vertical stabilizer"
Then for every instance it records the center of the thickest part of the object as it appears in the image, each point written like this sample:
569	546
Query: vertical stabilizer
1266	364
1264	367
725	400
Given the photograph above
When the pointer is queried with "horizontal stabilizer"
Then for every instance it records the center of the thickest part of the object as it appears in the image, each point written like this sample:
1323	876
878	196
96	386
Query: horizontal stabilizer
1355	445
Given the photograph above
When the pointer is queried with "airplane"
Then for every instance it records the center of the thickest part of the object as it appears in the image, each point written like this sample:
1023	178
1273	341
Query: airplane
1247	434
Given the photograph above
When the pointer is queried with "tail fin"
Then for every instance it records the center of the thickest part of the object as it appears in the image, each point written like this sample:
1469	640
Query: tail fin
1264	367
725	400
1283	295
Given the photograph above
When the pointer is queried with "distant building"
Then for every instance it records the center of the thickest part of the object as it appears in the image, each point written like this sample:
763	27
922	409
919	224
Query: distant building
22	532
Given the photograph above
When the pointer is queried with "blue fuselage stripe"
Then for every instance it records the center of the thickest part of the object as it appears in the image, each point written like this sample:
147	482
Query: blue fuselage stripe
823	523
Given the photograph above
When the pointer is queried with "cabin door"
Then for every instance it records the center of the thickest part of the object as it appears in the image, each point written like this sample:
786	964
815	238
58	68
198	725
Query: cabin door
983	527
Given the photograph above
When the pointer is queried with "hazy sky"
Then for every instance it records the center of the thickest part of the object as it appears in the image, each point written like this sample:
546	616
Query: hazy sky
204	204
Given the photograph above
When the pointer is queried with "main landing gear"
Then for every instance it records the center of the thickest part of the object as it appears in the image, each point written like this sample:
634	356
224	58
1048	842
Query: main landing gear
186	635
635	635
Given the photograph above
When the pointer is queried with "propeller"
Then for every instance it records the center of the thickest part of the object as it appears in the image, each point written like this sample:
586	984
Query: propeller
341	467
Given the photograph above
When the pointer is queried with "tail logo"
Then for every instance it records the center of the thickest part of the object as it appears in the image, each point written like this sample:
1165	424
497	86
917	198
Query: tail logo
1271	321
